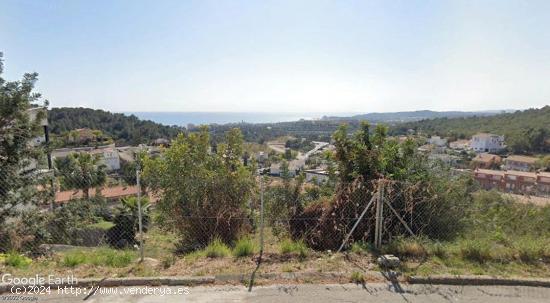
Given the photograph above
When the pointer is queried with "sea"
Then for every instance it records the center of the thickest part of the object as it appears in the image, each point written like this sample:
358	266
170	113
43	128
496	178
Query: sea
197	118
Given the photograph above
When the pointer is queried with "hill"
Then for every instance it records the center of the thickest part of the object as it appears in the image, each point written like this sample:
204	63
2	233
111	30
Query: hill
125	130
526	131
409	116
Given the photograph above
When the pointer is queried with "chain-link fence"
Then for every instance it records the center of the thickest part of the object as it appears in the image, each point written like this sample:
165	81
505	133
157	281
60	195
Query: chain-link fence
47	213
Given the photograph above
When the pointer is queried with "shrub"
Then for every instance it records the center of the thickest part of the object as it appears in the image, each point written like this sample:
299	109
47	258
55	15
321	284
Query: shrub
475	250
243	248
202	194
217	249
16	260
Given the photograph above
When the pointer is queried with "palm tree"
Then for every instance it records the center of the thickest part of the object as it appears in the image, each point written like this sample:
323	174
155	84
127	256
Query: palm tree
82	171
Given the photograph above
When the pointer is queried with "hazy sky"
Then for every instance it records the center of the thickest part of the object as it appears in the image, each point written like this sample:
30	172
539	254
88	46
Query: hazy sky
284	56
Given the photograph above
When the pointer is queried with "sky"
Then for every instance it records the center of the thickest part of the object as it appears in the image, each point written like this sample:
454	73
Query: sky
281	56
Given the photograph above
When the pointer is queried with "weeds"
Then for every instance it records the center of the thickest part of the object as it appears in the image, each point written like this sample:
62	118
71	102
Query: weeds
407	248
16	260
475	250
530	250
294	247
98	257
357	277
73	259
244	248
362	248
217	249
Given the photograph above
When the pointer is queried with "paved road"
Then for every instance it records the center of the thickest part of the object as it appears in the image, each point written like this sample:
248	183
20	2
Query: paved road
323	293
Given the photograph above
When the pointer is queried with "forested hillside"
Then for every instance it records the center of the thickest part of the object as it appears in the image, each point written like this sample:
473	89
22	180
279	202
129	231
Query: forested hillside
525	131
409	116
122	128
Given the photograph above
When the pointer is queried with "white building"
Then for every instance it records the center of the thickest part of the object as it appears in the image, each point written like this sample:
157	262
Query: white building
487	143
108	154
316	175
111	159
437	141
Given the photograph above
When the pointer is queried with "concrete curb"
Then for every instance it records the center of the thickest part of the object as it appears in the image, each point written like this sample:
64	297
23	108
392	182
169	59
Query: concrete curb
478	280
204	280
331	276
132	281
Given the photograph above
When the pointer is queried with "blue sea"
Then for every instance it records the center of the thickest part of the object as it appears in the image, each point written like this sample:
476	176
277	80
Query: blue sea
197	118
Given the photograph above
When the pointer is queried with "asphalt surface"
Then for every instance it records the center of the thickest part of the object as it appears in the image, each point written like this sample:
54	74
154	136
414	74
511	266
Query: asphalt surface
379	292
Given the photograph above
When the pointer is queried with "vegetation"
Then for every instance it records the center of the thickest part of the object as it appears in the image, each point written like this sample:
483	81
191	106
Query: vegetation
202	194
126	222
357	277
244	248
299	144
299	248
81	171
14	259
501	236
525	131
432	200
74	223
19	181
125	130
217	249
99	257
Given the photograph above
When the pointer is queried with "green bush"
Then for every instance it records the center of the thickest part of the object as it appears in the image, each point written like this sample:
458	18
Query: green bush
217	249
294	247
16	260
244	248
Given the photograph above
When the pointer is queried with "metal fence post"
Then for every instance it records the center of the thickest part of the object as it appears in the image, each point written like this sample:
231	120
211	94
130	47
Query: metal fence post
261	215
138	184
379	216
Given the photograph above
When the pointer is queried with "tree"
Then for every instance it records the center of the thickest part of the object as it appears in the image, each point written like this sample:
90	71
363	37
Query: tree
81	171
18	183
428	197
202	194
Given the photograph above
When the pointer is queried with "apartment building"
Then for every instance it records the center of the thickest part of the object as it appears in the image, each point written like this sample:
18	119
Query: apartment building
521	163
519	182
